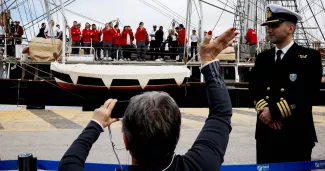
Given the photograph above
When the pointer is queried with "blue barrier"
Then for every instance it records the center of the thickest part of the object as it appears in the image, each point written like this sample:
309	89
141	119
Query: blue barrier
295	166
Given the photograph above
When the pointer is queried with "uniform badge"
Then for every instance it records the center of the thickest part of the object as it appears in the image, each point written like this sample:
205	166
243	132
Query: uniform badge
293	77
268	13
303	56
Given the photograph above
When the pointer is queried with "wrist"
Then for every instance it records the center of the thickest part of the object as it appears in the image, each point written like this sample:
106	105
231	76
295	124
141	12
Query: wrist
100	124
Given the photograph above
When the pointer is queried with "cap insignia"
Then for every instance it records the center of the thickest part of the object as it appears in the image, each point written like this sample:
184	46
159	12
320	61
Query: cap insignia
268	13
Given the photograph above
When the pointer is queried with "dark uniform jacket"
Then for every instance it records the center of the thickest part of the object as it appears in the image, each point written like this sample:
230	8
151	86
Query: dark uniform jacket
288	89
208	150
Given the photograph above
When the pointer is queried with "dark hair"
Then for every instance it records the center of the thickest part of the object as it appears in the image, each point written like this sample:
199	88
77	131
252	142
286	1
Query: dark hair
181	26
43	24
115	25
93	25
125	27
140	23
151	124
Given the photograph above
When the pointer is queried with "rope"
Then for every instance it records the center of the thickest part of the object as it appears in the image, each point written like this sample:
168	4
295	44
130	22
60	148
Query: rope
49	82
220	16
21	19
35	11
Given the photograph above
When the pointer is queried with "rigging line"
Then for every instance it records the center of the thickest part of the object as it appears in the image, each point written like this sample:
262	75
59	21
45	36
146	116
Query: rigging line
31	15
316	20
40	1
306	6
197	9
11	4
162	12
21	18
228	11
52	11
49	82
234	7
30	31
220	16
172	12
152	6
4	2
168	9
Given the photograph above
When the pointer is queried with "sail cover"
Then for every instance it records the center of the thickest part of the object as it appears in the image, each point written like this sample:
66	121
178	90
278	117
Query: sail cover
110	72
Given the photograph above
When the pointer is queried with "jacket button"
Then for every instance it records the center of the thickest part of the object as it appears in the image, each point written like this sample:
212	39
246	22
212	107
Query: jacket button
267	97
282	89
281	99
268	89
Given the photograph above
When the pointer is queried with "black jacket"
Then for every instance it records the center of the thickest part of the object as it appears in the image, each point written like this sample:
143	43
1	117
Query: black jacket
288	89
159	37
207	152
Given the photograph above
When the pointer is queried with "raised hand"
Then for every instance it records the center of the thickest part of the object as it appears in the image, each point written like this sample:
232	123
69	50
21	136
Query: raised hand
103	114
210	50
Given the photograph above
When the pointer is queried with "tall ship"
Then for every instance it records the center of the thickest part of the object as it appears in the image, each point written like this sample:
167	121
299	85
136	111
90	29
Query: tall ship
45	71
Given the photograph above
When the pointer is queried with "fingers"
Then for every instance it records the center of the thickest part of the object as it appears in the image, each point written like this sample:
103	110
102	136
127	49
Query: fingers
111	105
207	38
227	35
106	104
114	120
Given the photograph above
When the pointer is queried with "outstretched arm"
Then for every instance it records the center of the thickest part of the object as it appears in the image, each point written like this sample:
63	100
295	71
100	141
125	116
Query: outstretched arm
210	146
75	158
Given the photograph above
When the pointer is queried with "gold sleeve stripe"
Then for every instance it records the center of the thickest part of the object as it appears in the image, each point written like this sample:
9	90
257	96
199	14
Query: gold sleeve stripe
260	101
280	108
288	108
261	104
264	105
284	109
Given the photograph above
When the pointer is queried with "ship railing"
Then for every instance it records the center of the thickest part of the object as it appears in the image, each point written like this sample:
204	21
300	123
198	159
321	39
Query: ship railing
81	57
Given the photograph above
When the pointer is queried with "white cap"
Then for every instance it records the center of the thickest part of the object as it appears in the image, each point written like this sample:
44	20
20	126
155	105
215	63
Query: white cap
278	14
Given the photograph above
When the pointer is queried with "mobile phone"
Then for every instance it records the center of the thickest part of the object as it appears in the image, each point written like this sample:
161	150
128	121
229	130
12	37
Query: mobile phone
119	109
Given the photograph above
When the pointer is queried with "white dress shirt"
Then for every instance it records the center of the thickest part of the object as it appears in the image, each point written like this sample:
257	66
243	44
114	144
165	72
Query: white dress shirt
284	50
194	38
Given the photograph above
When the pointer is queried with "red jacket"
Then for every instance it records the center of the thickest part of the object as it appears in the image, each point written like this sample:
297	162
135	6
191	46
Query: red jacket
117	37
86	35
125	34
108	35
181	36
19	30
251	37
75	33
96	35
141	35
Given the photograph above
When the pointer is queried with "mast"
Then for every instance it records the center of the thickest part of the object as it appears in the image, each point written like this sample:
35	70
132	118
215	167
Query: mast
63	32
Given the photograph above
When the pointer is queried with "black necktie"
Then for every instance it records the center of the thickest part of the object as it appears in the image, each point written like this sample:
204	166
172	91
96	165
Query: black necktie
278	56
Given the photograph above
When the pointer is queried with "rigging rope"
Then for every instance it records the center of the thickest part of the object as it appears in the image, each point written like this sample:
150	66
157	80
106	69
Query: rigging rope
197	9
220	16
40	1
21	19
30	31
174	13
30	13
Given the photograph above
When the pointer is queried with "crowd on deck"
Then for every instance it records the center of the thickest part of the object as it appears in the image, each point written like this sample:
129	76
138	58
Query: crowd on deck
112	44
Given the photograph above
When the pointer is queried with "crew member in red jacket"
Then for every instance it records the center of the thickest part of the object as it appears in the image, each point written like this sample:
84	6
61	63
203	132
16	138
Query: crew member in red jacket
181	41
108	33
87	34
18	32
117	38
127	42
141	37
96	41
251	38
75	35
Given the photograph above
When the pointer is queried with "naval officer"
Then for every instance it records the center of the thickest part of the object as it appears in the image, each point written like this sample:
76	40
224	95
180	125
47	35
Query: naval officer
285	81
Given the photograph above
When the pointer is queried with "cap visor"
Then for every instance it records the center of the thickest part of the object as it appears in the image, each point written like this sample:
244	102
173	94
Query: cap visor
271	22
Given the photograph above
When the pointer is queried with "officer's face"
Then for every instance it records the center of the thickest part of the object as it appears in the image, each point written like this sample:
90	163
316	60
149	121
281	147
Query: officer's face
278	33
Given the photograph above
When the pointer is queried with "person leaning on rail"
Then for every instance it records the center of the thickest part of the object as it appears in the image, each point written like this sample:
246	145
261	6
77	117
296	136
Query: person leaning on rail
152	124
